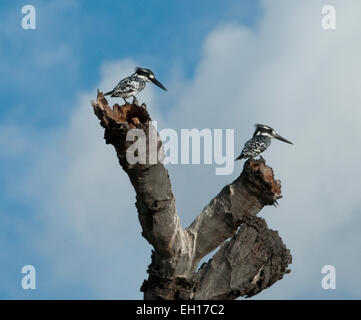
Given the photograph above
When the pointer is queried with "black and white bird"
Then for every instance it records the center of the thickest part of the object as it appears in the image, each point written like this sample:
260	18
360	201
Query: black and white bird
260	141
133	84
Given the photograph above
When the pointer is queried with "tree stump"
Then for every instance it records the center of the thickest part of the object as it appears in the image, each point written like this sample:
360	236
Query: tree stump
250	257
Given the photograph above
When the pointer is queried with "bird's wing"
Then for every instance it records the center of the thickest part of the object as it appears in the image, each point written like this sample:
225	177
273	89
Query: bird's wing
127	85
254	147
262	145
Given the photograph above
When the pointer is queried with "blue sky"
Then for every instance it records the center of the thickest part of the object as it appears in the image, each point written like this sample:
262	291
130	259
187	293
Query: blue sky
74	37
265	61
44	70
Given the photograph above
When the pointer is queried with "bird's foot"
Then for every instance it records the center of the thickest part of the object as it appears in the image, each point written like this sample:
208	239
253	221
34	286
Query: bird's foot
126	102
135	101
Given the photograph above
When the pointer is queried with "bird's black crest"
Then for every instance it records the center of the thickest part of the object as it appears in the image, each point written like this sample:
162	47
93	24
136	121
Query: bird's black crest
143	71
263	127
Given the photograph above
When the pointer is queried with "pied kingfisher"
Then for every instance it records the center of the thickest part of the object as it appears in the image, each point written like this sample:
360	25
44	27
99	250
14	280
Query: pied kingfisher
260	141
133	84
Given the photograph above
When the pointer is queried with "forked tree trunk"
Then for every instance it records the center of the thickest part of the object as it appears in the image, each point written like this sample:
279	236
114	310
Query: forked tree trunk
251	257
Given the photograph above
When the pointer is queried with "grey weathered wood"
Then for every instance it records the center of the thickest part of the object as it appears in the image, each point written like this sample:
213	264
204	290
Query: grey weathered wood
250	261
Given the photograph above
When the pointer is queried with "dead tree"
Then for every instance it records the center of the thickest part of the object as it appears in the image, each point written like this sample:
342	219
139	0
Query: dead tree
250	257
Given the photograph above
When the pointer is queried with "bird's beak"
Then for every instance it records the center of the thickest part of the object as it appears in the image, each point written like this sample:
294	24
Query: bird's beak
156	82
277	136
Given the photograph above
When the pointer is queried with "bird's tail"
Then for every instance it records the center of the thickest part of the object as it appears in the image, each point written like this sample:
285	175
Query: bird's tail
108	93
240	157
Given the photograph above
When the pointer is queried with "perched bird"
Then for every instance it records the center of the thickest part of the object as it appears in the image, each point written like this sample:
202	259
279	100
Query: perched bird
260	141
133	84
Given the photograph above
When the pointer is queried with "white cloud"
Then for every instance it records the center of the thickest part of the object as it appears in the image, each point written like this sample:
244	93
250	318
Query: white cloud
288	73
88	212
303	81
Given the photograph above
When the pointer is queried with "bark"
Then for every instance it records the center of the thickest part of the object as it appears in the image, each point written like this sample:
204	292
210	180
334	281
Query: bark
254	257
